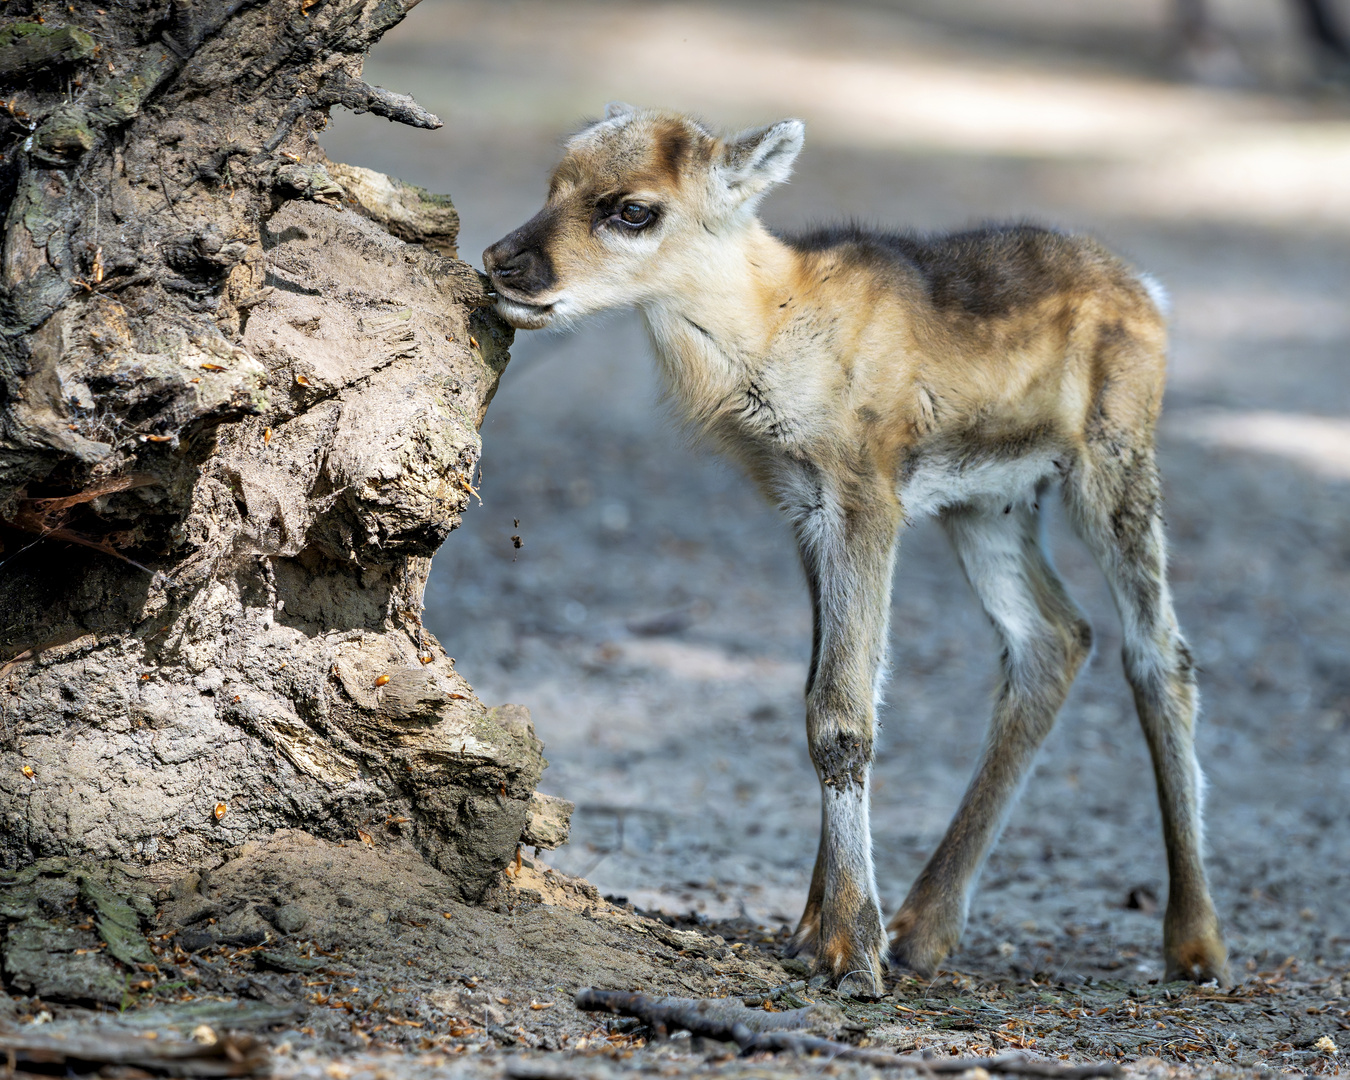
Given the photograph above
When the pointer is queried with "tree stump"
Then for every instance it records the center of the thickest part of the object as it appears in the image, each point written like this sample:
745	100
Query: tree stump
240	392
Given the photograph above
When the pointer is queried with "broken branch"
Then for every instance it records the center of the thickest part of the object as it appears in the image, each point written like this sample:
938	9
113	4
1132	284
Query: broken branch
30	48
225	1055
342	89
758	1032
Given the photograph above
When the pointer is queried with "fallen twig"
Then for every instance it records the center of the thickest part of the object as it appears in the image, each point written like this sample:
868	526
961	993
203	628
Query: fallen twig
207	1054
759	1032
711	1017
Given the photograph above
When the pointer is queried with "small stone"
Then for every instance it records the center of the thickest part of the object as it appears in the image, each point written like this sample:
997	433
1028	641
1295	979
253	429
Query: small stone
290	918
196	940
247	940
548	821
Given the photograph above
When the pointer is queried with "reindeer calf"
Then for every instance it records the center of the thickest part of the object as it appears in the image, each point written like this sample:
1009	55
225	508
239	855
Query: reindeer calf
865	379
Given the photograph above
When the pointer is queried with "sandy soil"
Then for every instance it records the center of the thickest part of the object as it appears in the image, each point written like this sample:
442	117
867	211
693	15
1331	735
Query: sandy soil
655	621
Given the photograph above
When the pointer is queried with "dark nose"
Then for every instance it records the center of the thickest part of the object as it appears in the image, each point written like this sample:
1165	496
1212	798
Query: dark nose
519	262
505	262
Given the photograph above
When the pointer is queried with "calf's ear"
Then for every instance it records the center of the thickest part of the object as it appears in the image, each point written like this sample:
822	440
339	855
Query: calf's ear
756	160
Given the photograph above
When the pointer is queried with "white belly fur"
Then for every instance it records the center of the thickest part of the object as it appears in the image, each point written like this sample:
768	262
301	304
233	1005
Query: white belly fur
941	482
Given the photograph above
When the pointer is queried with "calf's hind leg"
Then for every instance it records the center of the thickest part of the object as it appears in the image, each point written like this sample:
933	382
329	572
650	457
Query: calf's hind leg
1045	641
1114	500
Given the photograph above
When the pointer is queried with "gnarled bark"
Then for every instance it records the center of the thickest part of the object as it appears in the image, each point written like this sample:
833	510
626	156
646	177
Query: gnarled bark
239	412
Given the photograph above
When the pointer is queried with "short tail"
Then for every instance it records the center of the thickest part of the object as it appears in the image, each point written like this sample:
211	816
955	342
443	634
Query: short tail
1157	293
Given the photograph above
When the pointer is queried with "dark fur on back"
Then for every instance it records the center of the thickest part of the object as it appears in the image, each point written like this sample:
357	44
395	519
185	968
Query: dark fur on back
988	271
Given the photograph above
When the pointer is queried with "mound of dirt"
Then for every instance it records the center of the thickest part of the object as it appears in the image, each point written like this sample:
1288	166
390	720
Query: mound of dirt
360	943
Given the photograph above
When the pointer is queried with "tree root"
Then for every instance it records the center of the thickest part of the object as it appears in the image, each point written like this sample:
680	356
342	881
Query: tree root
730	1021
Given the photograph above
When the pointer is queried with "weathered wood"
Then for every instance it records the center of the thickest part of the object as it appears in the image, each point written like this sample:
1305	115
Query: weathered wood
238	415
208	1055
409	212
341	89
755	1031
28	49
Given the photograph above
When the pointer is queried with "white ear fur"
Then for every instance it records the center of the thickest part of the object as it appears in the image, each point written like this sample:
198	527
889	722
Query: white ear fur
756	160
618	108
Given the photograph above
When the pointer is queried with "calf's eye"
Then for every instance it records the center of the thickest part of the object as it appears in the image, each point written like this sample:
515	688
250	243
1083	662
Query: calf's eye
635	214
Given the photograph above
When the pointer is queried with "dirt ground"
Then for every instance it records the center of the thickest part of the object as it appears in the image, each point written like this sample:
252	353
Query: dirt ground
310	959
655	621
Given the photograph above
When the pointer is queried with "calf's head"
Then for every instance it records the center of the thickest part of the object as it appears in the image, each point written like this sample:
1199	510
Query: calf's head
638	206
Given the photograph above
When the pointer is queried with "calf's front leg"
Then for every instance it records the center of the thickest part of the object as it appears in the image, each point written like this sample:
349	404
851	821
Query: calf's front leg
848	554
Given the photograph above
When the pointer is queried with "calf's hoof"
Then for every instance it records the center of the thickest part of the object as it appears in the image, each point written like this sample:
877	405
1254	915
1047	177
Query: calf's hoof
861	984
806	937
920	941
1198	959
854	974
849	957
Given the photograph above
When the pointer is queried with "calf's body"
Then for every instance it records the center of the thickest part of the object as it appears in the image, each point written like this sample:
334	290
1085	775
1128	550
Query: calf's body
864	380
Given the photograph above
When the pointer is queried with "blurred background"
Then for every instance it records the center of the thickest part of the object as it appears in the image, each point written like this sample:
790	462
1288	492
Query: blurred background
654	617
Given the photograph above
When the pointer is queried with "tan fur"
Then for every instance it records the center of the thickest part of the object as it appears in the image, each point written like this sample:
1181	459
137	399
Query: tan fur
866	379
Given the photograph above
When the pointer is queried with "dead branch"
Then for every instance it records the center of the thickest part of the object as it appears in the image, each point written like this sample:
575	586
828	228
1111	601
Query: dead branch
759	1032
360	97
705	1016
207	1054
342	89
